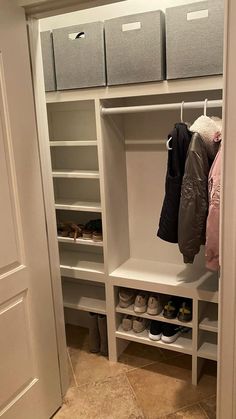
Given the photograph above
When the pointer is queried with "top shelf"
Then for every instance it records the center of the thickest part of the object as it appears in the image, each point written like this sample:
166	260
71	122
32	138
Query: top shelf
141	89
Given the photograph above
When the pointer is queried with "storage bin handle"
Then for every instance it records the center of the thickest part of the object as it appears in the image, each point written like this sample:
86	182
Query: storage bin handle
198	14
76	35
131	26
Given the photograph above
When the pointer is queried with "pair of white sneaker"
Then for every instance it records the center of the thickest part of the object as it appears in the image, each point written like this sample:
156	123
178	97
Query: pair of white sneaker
148	303
166	332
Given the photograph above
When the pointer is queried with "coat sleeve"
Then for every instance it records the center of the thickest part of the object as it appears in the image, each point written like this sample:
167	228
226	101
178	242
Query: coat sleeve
194	201
213	219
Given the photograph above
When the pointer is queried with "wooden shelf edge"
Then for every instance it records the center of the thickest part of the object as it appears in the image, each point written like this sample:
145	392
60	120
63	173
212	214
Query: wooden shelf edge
208	328
141	89
207	355
85	242
90	309
143	338
158	317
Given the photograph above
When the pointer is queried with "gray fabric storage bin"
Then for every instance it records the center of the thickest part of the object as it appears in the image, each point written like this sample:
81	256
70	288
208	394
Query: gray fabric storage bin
194	39
48	61
135	48
80	62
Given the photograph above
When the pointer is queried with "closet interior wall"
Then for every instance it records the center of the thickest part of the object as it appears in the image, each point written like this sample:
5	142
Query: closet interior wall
139	175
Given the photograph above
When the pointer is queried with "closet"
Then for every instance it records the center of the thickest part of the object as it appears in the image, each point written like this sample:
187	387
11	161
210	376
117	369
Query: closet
108	161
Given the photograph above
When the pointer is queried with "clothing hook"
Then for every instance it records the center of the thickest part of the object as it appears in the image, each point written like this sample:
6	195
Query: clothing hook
205	107
182	112
167	144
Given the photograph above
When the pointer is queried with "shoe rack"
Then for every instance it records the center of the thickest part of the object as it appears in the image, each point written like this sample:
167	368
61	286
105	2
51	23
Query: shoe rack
113	167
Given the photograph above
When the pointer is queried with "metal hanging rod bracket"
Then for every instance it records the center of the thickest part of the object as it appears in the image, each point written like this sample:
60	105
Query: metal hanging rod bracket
161	107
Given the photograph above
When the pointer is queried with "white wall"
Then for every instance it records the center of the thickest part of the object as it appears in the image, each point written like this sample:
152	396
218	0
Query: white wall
107	12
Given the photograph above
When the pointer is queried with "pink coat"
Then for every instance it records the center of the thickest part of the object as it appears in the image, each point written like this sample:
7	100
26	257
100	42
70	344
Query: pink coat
213	219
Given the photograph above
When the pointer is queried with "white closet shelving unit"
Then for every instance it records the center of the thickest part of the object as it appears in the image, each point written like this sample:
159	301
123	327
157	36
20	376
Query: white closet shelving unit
113	166
76	177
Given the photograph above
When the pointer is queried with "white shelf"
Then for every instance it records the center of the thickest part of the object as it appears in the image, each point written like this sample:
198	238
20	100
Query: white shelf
183	344
209	320
76	174
84	297
208	347
82	265
72	205
79	241
130	310
73	143
141	89
170	278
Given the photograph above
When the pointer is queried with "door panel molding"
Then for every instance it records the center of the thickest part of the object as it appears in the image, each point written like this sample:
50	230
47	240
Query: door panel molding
13	234
19	396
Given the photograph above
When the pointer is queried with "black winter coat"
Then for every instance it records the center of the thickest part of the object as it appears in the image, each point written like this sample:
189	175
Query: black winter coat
168	224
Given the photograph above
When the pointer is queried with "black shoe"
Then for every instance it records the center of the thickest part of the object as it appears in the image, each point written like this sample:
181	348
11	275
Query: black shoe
170	332
171	308
185	311
155	332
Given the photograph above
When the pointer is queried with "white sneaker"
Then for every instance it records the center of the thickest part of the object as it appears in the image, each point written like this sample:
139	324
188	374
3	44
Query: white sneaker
155	305
140	304
170	333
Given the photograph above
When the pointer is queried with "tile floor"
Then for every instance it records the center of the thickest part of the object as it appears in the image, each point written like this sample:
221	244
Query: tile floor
147	383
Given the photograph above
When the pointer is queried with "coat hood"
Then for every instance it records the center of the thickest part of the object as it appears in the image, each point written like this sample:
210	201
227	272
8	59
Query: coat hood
209	131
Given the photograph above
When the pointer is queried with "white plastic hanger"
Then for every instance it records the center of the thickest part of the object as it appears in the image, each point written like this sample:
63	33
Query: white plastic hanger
182	112
205	107
167	144
181	119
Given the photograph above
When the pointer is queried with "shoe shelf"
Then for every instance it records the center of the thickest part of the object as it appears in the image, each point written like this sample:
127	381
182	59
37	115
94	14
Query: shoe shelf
83	265
73	205
76	174
166	278
208	346
209	318
130	311
68	143
84	297
183	344
86	242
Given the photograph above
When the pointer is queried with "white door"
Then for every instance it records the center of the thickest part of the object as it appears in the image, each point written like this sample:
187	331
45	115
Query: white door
29	372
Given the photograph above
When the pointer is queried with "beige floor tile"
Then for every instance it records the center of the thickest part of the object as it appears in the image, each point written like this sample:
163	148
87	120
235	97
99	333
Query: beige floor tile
139	355
90	367
209	406
165	387
76	337
72	382
109	399
192	412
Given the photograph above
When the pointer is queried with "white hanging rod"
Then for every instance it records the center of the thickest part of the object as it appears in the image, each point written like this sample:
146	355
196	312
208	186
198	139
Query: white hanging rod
145	142
161	107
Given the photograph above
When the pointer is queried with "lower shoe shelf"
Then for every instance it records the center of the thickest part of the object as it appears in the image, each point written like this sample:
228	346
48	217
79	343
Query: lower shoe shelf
83	265
130	311
84	297
208	346
182	344
209	318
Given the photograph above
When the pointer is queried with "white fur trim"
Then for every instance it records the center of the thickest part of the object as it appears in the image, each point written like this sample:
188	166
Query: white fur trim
207	128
